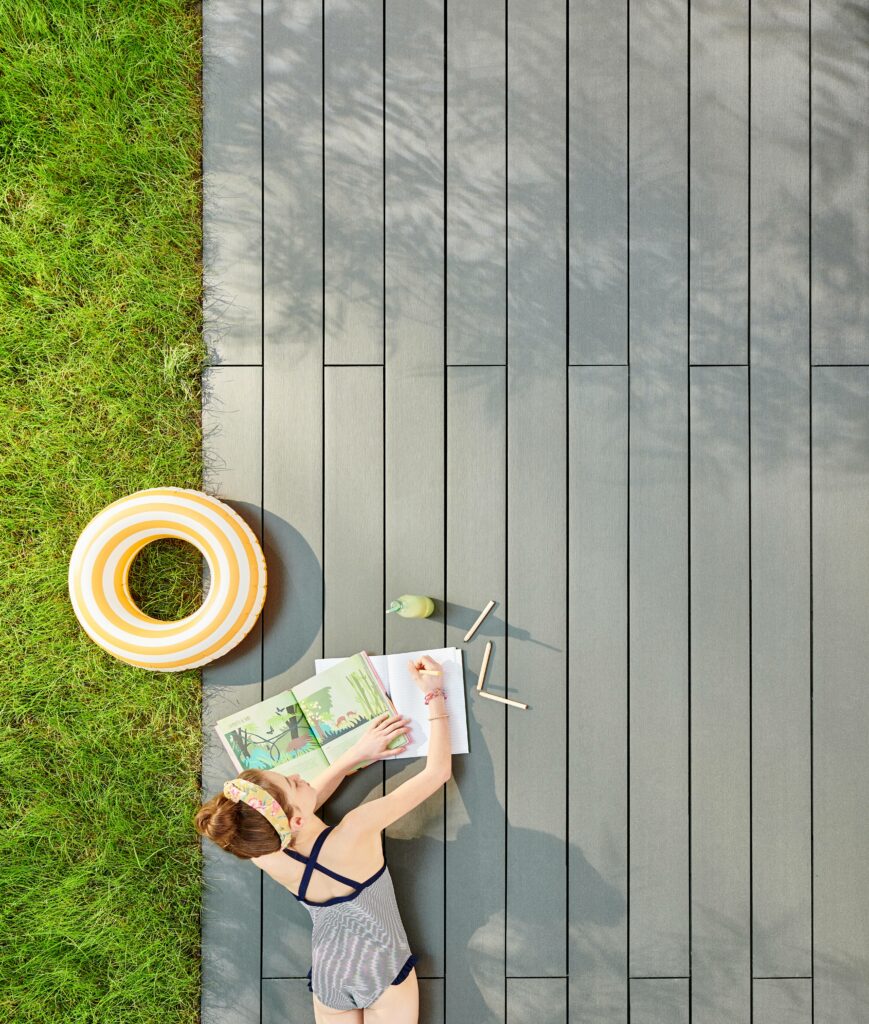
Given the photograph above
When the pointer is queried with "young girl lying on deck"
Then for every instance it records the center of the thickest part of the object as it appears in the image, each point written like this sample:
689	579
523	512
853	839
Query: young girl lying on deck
362	970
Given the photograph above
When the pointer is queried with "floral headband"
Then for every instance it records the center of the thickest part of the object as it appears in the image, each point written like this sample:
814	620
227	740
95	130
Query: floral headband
261	800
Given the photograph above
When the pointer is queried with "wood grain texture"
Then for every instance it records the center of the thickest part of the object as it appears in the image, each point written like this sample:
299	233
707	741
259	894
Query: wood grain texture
414	424
840	182
476	182
718	183
476	818
720	697
780	568
782	1001
536	596
353	173
658	520
597	183
597	694
232	180
840	432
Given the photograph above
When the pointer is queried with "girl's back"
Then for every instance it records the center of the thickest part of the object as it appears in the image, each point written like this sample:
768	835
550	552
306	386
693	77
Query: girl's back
349	852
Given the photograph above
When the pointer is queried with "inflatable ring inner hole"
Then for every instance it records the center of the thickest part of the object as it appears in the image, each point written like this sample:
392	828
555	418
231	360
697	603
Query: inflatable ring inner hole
168	579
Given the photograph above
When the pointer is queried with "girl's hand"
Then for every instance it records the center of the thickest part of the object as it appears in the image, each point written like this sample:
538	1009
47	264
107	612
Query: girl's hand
425	683
372	745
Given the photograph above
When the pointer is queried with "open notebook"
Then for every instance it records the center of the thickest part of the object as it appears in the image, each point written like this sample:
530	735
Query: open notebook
307	727
409	699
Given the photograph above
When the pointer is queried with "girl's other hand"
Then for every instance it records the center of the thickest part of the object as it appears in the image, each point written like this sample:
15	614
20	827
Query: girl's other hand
372	745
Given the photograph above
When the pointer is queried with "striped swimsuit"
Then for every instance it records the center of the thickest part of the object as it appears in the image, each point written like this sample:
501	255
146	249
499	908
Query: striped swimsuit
358	946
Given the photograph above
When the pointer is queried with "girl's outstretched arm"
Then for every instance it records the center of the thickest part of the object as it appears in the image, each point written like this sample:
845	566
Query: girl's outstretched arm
329	780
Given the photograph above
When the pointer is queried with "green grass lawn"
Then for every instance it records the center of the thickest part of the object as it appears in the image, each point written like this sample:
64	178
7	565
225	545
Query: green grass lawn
100	361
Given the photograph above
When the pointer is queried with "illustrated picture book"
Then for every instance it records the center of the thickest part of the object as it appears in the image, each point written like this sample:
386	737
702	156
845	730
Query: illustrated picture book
410	700
309	726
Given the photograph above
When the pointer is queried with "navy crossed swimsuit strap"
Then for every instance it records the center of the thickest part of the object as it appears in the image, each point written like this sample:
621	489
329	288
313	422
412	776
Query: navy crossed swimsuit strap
310	864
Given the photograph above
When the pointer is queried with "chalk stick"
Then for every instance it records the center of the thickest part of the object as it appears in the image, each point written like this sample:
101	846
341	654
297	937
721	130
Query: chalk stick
480	618
503	700
485	664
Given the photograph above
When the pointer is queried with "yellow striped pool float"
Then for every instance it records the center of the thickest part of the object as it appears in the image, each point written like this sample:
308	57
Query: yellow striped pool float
100	565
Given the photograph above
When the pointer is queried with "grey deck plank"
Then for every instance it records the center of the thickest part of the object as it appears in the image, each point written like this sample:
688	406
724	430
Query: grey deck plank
779	354
476	183
782	1001
718	180
353	511
414	374
720	698
542	1000
293	397
476	795
840	178
597	190
353	168
659	1001
597	694
535	602
231	893
232	180
840	432
287	999
353	607
658	573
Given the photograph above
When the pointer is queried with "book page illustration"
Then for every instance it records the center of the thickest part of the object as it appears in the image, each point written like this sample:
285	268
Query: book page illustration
339	702
273	735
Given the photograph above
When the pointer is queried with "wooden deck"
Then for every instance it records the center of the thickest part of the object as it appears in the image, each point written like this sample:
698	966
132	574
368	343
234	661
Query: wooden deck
565	308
